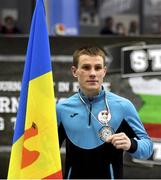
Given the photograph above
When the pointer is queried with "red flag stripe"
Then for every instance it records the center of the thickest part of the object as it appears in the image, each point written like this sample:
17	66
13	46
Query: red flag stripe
154	130
57	175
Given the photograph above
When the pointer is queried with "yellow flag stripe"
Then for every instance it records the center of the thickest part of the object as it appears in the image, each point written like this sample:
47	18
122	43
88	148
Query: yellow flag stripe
41	112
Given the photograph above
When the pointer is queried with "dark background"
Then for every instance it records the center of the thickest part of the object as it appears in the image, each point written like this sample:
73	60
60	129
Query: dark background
12	69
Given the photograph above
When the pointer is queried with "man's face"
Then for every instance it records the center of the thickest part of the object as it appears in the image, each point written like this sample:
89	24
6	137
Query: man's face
90	73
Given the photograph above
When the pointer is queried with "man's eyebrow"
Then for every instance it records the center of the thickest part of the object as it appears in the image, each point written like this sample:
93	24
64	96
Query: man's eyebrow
86	64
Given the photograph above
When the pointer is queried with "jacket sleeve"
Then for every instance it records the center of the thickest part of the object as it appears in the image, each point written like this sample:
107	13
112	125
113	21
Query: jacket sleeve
142	142
61	131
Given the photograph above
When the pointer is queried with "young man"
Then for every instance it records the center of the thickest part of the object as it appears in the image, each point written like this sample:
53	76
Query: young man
98	125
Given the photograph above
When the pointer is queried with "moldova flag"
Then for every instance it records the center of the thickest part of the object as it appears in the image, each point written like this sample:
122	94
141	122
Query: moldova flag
35	152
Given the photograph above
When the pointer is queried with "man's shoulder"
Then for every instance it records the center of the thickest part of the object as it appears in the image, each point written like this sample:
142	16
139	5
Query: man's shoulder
69	100
123	102
117	98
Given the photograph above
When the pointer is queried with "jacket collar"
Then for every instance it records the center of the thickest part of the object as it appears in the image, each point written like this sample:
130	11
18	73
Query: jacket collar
98	97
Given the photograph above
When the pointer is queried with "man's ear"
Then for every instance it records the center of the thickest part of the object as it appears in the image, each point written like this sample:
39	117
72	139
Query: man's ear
105	70
74	71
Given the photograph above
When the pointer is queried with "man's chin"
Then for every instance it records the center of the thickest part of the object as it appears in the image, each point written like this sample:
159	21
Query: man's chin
93	89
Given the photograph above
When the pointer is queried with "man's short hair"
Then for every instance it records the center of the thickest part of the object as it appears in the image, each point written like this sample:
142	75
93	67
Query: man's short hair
90	51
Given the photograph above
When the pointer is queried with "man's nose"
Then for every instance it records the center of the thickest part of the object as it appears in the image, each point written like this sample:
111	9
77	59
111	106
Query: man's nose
92	72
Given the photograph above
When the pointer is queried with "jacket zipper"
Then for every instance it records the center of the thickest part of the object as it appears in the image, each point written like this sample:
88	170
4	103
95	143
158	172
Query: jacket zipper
90	110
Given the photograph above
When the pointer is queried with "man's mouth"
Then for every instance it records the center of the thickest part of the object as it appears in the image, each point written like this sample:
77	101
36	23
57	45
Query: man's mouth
92	81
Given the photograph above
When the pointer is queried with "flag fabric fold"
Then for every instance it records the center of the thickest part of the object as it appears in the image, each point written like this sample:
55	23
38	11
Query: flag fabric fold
35	151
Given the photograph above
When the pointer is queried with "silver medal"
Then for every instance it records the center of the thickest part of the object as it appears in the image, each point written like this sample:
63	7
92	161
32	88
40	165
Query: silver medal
105	132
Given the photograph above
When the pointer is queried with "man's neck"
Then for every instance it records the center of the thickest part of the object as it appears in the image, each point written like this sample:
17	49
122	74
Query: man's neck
90	94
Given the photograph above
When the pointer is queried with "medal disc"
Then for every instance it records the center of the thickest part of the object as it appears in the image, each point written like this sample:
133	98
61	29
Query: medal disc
105	132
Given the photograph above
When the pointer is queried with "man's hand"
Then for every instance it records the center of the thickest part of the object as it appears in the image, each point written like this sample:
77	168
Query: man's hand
120	141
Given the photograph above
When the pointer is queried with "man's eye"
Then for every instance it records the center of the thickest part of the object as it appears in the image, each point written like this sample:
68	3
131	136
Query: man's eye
98	68
86	67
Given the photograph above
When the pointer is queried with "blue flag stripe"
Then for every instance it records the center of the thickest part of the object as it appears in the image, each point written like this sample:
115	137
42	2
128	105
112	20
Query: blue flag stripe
35	65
